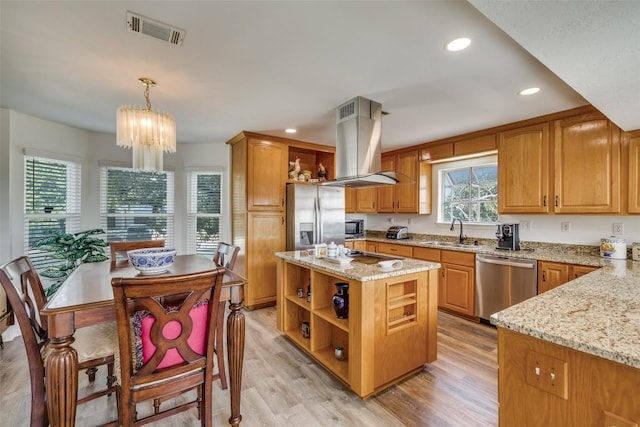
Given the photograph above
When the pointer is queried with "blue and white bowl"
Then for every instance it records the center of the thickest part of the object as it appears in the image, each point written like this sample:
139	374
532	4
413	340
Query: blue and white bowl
152	260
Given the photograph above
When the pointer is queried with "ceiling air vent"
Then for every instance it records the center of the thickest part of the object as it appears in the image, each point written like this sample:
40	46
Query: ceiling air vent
156	29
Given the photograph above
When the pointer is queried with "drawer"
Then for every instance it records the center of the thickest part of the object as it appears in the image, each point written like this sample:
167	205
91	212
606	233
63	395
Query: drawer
399	250
427	254
459	258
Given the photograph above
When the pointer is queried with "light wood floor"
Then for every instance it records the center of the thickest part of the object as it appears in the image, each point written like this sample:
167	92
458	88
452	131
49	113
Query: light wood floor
283	387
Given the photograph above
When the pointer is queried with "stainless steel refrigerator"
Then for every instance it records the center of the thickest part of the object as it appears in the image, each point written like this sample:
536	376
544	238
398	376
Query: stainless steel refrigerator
315	214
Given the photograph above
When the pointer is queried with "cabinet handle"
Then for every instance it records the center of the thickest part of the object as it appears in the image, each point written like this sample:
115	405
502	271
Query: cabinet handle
557	200
442	273
282	220
397	205
282	202
544	276
544	201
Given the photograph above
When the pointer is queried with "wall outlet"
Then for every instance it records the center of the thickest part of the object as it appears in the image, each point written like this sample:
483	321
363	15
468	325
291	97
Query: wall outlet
409	221
565	226
525	225
618	228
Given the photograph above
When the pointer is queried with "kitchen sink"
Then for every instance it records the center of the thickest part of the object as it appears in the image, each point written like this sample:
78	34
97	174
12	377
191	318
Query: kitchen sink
448	244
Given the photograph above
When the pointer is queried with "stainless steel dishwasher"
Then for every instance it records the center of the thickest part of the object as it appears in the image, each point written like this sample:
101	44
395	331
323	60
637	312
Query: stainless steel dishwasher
502	282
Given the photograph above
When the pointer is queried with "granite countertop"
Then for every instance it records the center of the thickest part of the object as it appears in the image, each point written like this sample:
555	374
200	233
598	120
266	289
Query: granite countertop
355	270
598	314
570	254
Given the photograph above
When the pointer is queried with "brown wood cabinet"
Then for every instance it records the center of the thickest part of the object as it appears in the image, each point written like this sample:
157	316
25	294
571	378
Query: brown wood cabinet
349	200
584	390
523	170
458	282
634	174
587	165
386	318
413	196
357	245
553	274
366	200
371	246
394	249
432	255
259	172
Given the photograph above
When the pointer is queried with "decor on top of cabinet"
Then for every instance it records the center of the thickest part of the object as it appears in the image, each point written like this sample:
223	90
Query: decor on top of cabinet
294	170
341	300
322	173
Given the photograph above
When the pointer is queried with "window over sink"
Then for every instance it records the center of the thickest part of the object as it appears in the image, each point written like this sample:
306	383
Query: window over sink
468	190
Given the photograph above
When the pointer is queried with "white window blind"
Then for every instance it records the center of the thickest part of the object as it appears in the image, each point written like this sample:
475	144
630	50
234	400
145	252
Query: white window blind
204	212
136	205
51	203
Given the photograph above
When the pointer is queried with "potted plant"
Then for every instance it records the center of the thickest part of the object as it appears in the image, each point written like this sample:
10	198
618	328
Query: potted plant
72	250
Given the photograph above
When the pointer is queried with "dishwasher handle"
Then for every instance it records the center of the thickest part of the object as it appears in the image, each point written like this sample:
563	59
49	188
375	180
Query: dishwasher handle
502	261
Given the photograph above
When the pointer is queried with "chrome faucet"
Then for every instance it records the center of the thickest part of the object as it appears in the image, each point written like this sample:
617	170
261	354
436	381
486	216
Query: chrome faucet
462	236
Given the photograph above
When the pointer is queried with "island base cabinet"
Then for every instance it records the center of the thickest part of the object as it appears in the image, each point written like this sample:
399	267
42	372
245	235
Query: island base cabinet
545	384
390	331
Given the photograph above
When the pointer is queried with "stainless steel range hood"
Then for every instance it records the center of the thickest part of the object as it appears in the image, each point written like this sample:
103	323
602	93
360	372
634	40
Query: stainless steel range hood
358	155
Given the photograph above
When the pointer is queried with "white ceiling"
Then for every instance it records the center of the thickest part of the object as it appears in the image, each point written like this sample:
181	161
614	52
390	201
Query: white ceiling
264	65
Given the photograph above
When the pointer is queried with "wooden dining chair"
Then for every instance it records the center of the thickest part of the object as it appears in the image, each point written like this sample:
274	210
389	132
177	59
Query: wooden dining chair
225	256
119	249
95	346
166	326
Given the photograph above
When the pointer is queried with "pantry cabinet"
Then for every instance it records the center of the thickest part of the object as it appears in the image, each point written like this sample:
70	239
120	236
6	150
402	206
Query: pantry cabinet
413	196
523	170
259	173
554	274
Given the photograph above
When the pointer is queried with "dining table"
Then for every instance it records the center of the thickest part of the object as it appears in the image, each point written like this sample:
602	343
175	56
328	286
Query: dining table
86	298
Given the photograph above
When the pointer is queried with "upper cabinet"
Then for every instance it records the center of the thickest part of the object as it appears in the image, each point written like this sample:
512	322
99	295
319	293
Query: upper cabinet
634	174
523	169
586	165
413	196
267	168
569	165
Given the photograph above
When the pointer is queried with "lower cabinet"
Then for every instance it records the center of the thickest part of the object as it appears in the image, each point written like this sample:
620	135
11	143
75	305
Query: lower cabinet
545	384
458	282
267	231
553	274
356	245
397	250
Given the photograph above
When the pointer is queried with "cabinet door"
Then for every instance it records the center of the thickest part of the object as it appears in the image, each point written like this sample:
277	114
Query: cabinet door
523	170
433	255
407	194
587	165
580	270
397	250
387	193
366	200
349	200
551	275
267	174
265	236
371	247
634	174
458	288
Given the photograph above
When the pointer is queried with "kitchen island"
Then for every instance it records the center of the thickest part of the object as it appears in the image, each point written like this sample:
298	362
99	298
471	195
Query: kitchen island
391	328
571	356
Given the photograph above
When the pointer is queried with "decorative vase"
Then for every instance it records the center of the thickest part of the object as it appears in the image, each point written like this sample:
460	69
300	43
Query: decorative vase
341	300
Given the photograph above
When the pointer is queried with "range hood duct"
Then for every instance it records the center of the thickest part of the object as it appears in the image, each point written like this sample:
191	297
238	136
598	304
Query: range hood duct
358	140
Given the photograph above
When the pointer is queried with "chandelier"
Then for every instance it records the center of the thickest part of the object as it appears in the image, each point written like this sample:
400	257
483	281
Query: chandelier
148	133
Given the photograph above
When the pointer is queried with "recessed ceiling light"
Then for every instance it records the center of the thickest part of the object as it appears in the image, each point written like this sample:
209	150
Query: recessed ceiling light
529	91
458	44
290	130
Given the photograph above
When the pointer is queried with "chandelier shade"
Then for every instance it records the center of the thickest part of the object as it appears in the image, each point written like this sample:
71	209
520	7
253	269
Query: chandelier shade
148	133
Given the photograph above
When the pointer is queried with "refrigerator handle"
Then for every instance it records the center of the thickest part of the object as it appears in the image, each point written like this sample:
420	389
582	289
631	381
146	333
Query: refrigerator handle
318	218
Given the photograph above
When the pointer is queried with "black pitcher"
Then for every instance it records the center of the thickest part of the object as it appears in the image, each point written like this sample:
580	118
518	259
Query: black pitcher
341	300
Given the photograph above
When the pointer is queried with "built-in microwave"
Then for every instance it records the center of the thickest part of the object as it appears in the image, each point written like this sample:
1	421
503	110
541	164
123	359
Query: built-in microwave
353	228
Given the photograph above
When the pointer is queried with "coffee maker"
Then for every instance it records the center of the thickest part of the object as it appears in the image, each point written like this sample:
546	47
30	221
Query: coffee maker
508	237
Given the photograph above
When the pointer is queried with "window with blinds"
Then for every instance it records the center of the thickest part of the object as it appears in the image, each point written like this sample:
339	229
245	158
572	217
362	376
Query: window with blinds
204	212
51	203
136	205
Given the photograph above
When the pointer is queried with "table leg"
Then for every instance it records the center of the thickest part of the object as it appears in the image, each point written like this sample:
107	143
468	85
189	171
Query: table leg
235	349
62	382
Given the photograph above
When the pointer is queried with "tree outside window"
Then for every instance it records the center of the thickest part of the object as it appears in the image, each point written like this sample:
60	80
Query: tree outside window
470	194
